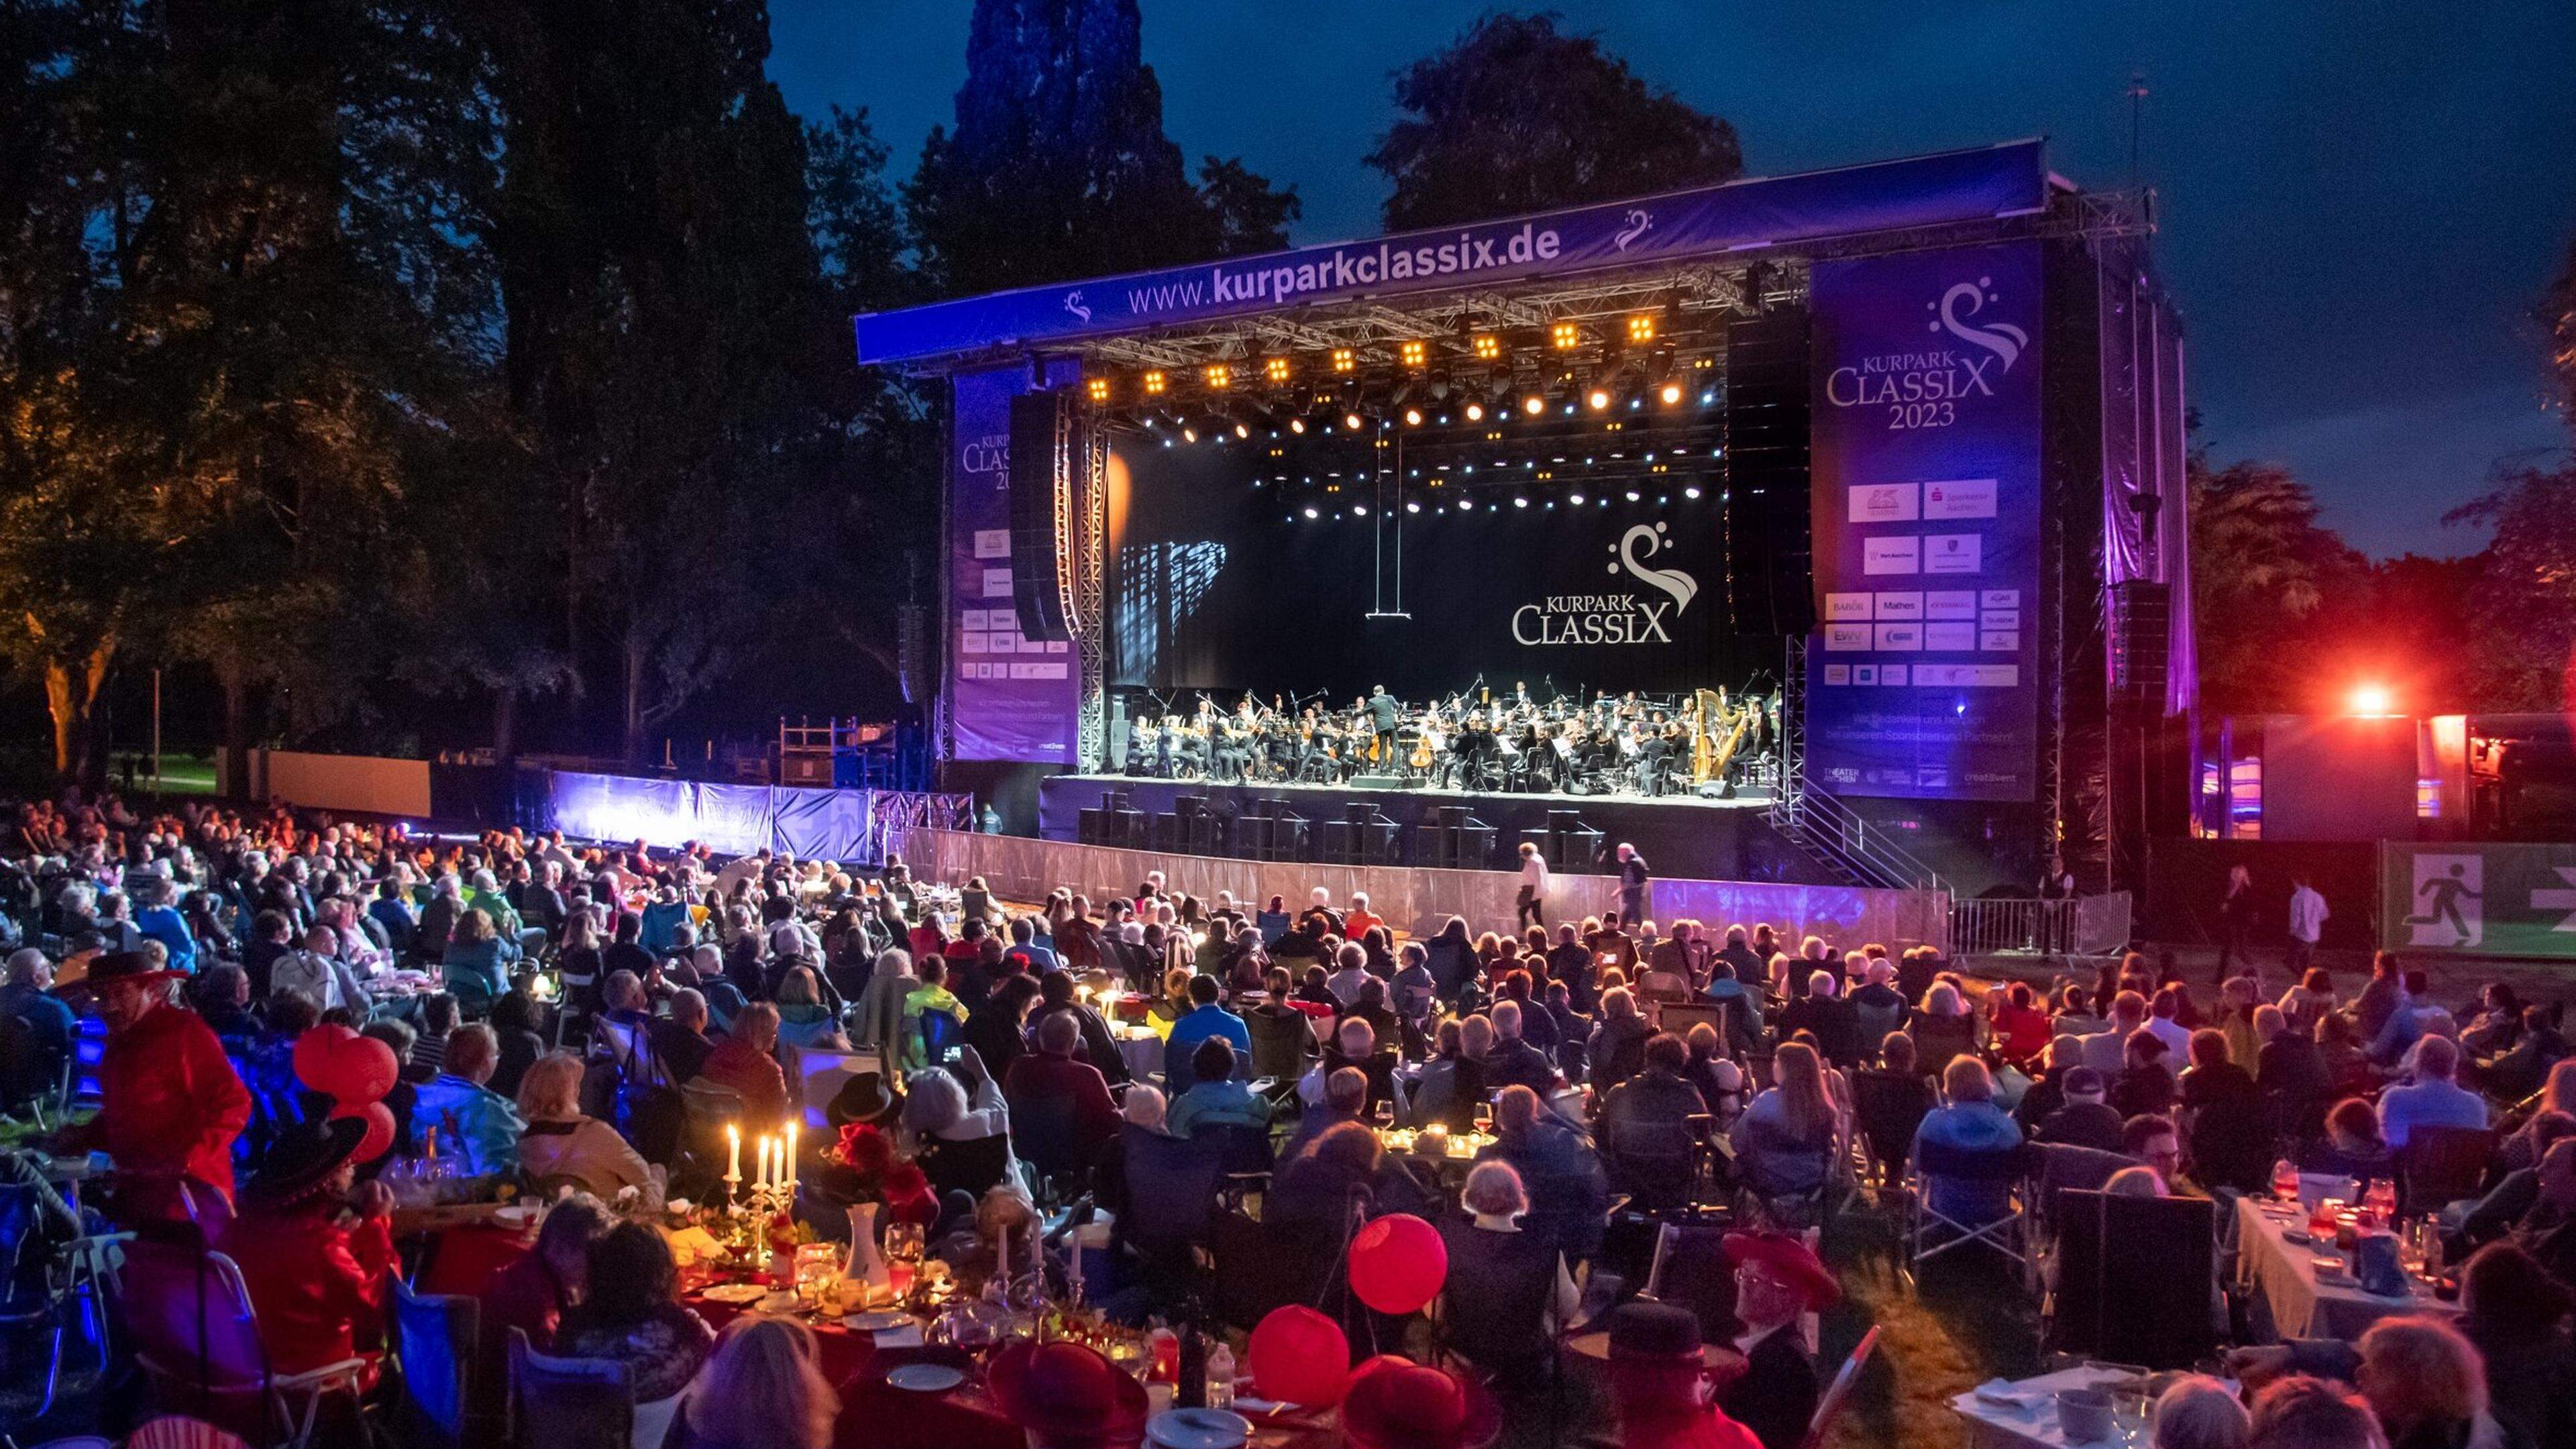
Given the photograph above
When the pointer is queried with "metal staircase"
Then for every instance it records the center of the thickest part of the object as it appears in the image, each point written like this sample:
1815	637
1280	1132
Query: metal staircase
1842	843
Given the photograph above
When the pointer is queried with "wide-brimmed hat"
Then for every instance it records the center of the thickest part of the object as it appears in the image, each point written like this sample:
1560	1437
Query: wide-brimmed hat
302	1157
863	1098
1395	1403
115	966
1795	1262
1068	1396
1650	1335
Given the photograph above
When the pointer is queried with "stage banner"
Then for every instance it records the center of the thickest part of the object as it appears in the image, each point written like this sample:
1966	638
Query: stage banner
1922	675
1751	215
729	819
1008	698
2477	900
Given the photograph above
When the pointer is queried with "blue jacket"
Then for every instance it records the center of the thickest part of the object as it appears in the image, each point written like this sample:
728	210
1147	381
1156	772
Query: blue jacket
1216	1104
165	925
477	972
1970	1127
474	1123
1202	1023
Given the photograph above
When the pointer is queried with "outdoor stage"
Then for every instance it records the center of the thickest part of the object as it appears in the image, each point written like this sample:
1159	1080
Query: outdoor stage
1678	835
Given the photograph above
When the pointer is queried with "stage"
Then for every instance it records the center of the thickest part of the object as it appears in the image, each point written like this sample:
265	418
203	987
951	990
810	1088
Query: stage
1678	835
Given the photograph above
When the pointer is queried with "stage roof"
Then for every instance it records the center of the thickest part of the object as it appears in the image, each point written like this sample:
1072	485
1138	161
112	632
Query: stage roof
1739	223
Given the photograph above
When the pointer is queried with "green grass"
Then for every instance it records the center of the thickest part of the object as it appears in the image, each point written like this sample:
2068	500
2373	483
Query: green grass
181	773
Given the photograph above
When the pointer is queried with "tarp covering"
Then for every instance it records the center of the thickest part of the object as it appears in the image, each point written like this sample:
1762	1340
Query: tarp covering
730	819
1740	216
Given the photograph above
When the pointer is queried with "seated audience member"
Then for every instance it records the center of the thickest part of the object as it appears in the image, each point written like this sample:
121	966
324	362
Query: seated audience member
2491	1216
318	972
630	1313
2432	1099
2224	1134
1205	1018
2197	1412
1556	1161
1824	1012
742	1061
1968	1121
1784	1142
562	1143
929	996
2107	1051
680	1039
1877	1007
223	999
2308	1002
2145	1084
2425	1383
515	1018
1498	1272
763	1389
1720	1081
1283	1038
2086	1120
1777	1280
803	1018
2140	1181
438	1018
2237	1002
476	1125
2406	1025
941	1121
2351	1147
405	1093
2520	1069
2047	1091
2348	1069
1355	1044
1052	1072
1944	1027
534	1290
1651	1112
1215	1097
997	1026
476	966
1617	1050
1514	1062
1452	1084
316	1285
2075	1016
1345	1167
2021	1030
1349	974
2154	1141
2165	1011
1659	1381
2291	1075
1345	1100
2302	1412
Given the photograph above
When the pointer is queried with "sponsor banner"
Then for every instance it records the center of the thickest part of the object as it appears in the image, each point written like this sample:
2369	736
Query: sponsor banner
2478	900
1009	698
1926	486
1740	216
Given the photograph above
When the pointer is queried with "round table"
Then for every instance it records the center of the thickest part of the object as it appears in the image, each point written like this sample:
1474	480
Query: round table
876	1414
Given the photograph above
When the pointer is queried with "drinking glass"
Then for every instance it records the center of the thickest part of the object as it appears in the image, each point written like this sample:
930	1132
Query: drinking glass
903	1242
1385	1114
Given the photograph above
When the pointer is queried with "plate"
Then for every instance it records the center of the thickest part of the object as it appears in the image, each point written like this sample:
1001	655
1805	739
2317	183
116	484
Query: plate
777	1300
736	1293
925	1378
875	1320
1198	1429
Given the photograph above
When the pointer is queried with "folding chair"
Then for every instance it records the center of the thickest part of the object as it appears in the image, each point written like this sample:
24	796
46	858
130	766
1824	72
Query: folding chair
198	1342
1887	1108
2441	1165
435	1346
820	1075
2007	1233
1830	1407
2158	1313
1690	1268
568	1403
630	1048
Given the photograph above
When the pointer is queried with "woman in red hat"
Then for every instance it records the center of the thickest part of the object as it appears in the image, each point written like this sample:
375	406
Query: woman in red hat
1067	1396
1662	1377
315	1280
1777	1279
1395	1403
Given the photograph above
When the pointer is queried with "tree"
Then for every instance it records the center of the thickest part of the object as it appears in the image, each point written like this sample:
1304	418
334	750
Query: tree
2522	610
1059	168
2261	568
1517	116
2557	313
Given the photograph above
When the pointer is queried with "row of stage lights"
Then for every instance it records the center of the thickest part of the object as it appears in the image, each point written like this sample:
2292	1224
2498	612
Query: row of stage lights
1314	512
1532	405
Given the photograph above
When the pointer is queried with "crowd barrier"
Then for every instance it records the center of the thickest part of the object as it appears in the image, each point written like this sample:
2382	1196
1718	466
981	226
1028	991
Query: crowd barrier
1419	901
849	826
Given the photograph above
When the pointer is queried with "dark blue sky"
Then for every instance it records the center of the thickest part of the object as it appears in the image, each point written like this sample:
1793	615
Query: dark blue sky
2361	200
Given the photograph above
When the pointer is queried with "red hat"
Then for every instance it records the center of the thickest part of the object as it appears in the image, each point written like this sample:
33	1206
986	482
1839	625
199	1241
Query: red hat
1795	1262
1395	1403
1068	1396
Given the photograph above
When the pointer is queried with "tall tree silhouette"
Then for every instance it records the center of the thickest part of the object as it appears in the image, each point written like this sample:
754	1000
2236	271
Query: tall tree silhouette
1059	168
1517	116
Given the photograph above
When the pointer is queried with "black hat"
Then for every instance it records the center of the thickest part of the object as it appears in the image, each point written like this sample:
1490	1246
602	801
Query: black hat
1652	1334
2083	1082
137	966
863	1098
300	1158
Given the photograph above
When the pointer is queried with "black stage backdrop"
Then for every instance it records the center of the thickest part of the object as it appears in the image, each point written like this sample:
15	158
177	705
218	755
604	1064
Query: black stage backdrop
1217	584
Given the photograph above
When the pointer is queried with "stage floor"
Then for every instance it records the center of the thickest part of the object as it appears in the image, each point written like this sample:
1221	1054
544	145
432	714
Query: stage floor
1680	835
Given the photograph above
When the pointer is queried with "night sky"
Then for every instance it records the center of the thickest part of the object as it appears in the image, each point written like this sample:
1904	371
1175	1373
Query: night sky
2357	217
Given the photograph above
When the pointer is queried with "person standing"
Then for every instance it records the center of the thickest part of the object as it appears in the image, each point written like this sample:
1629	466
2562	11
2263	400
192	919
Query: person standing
170	1104
1633	876
2235	920
2307	923
1532	910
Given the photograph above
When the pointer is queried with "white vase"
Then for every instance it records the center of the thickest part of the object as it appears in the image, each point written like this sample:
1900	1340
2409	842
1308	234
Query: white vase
866	1264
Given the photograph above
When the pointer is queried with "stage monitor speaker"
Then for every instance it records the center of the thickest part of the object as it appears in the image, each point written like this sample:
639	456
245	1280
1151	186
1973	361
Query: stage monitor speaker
2141	640
1040	426
1386	782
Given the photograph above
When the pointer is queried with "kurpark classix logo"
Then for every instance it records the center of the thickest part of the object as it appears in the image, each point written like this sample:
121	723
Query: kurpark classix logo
1924	388
1614	618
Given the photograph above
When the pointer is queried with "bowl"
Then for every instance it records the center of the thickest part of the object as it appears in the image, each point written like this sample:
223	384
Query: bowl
2084	1415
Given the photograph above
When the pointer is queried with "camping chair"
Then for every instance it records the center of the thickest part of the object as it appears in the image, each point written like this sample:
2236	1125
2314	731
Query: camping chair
2441	1165
1930	1233
1690	1268
197	1340
1887	1108
938	1033
2163	1316
820	1075
1660	1174
630	1048
1830	1407
434	1343
48	1294
1172	1186
568	1403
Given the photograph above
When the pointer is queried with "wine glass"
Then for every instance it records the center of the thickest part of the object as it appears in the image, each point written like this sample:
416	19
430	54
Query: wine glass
1485	1117
1385	1113
903	1242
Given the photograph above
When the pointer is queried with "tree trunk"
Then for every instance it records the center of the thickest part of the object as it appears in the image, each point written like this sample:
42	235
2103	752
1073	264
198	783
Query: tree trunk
505	725
236	685
71	697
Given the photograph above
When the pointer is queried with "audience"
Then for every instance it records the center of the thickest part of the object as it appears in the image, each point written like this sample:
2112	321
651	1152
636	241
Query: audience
629	1313
560	1144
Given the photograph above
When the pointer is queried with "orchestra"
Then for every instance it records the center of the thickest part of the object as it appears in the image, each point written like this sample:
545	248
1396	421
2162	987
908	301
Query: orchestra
1474	740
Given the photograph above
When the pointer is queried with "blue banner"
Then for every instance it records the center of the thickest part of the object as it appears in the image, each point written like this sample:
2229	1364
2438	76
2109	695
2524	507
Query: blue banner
1922	676
1741	216
729	819
1008	697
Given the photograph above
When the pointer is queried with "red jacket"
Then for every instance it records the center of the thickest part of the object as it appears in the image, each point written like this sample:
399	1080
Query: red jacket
318	1288
1038	1075
754	1076
169	1100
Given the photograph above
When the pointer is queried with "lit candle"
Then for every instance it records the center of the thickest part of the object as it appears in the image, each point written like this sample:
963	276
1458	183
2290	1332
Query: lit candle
760	1160
733	1140
788	1157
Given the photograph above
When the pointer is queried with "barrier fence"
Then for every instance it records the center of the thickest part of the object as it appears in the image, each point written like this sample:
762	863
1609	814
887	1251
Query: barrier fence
2084	926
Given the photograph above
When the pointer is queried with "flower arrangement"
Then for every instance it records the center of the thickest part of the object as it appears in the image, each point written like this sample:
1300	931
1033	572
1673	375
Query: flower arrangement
868	1169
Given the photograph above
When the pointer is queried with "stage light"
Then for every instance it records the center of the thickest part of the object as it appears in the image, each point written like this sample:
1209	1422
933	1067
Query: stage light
1413	417
1520	503
1708	397
1487	346
1189	435
1565	335
1351	421
1475	412
1632	495
1692	492
1641	328
1411	352
1533	405
2373	700
1297	425
1669	394
1241	431
1466	505
1310	513
1154	382
1413	508
1275	369
1359	510
1575	499
1599	398
1219	375
1344	359
1098	387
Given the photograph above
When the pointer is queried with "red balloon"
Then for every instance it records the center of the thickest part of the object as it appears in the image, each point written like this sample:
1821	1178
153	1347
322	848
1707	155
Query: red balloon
1398	1263
344	1066
380	1128
313	1053
1298	1356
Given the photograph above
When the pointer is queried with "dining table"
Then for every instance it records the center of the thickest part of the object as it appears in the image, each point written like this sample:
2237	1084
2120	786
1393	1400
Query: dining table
2023	1414
2307	1297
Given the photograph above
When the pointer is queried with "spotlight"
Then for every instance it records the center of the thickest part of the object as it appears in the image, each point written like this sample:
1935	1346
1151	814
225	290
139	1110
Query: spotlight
1098	387
1632	495
1641	328
1520	503
1344	359
1575	498
1599	398
1310	513
1475	412
1466	505
1351	421
1413	508
1487	346
1189	435
1691	492
1242	431
1297	425
1359	510
2372	699
1533	405
1565	335
1669	394
1413	417
1219	375
1411	352
1154	382
1275	369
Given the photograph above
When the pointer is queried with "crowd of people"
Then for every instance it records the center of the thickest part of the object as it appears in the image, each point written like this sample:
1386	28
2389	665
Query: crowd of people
552	1006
